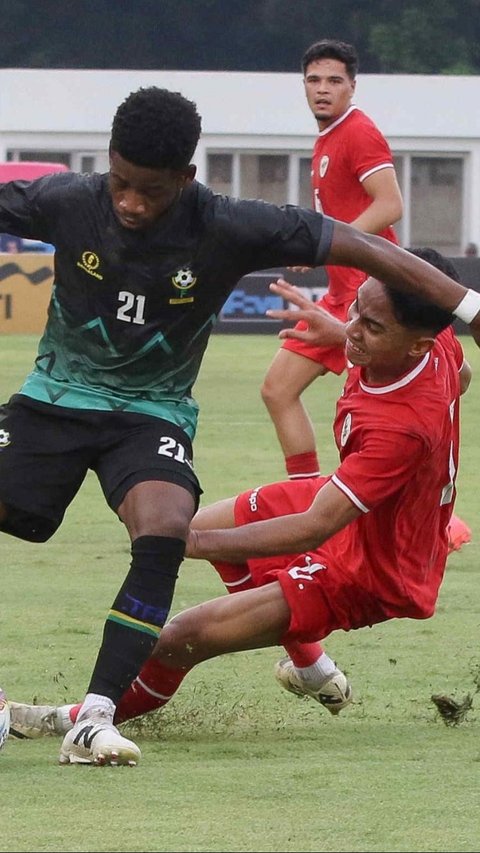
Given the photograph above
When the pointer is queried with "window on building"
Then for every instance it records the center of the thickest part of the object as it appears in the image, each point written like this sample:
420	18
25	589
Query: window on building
264	176
437	203
40	156
278	178
433	189
87	163
220	173
305	182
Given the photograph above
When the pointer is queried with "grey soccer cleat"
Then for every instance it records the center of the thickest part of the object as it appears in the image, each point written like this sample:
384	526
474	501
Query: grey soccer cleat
34	721
95	740
334	693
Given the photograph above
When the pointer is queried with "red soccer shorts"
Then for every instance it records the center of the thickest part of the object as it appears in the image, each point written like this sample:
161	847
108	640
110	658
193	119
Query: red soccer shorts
321	594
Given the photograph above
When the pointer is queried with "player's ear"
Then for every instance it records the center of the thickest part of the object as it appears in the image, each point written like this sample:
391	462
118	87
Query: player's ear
184	177
421	346
190	173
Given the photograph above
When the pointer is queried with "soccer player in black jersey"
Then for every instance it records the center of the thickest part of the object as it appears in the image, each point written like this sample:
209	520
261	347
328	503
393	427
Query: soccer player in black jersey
145	257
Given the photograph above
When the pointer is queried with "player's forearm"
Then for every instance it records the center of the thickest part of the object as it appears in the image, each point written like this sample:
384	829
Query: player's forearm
386	204
378	216
285	535
330	511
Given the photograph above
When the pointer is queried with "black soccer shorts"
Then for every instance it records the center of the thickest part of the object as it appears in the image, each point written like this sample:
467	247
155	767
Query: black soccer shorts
46	452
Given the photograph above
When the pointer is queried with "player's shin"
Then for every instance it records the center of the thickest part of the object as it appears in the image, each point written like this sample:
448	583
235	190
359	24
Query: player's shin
153	687
137	616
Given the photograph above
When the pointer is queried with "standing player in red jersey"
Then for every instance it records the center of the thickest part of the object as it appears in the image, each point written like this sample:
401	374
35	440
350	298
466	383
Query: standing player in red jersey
308	557
354	180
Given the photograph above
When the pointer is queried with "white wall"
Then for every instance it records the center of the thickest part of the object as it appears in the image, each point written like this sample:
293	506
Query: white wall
405	106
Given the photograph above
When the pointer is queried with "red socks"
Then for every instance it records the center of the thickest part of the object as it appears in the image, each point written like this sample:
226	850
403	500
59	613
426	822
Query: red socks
303	654
152	688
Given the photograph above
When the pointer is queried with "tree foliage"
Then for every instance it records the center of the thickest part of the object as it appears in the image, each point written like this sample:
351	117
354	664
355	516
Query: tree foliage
412	37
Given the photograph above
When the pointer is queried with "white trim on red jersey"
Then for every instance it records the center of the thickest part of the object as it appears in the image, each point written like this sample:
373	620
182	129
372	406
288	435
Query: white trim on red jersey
378	168
337	121
400	383
348	492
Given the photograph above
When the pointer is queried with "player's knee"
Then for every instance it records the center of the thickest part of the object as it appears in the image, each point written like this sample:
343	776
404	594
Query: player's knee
180	643
272	393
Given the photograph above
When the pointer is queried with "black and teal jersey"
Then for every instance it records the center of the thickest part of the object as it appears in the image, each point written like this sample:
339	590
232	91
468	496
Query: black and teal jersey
131	312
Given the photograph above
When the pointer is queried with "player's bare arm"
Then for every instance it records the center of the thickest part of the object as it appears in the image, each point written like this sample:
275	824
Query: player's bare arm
386	206
401	269
289	534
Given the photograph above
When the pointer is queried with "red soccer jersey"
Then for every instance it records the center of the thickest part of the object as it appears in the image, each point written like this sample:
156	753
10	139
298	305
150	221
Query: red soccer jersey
399	452
345	153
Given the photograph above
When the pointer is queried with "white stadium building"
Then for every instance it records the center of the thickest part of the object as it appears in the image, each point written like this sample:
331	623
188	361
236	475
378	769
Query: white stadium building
258	135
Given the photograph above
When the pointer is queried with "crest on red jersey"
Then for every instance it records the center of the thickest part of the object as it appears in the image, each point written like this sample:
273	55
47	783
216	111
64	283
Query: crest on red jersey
323	165
346	428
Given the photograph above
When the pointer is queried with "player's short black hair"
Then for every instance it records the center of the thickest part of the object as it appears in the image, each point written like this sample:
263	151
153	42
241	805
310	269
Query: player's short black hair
411	310
156	128
332	49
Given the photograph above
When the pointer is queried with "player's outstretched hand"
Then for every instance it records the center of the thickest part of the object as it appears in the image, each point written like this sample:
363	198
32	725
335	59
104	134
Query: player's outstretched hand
318	328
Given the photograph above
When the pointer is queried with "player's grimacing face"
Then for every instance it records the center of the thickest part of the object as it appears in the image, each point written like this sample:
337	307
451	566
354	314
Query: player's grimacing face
329	90
141	195
376	341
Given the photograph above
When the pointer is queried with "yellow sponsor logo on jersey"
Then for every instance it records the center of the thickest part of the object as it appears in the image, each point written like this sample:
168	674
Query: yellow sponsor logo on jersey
89	263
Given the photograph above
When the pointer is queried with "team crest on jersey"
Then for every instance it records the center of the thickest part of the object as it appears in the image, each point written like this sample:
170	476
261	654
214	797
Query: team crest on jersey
322	171
346	429
183	280
90	263
4	438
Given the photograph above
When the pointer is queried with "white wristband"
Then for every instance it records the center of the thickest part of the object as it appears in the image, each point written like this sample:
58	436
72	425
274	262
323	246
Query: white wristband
469	306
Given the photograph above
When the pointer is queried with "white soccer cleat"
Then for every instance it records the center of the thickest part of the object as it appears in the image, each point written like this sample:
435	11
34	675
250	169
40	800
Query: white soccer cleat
33	721
334	693
95	740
